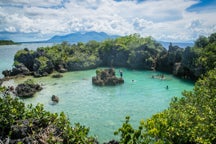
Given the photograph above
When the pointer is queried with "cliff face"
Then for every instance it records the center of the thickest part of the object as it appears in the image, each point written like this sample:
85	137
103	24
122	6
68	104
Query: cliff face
142	57
170	59
180	62
114	57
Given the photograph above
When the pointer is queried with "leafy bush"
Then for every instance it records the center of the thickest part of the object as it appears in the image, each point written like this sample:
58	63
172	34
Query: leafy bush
190	119
35	125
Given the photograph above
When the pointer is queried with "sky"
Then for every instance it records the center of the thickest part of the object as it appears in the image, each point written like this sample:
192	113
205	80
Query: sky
164	20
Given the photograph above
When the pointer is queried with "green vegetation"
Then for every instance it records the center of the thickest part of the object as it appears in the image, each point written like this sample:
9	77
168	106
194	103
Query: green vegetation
28	124
7	42
190	119
130	51
29	82
205	53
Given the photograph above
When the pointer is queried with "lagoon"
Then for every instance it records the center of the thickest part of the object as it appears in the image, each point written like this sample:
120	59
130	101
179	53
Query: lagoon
103	109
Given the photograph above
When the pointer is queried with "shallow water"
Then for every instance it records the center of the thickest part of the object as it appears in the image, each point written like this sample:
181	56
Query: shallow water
103	109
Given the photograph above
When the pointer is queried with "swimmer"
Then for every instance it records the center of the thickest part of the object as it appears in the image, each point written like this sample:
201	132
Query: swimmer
121	73
167	87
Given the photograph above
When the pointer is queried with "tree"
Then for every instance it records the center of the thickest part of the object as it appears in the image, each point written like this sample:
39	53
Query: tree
201	42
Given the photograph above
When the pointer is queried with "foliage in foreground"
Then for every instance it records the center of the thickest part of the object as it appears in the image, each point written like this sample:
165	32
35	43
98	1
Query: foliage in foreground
20	124
190	119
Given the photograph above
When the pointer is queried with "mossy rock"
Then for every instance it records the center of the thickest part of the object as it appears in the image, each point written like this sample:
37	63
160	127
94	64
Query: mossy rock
106	77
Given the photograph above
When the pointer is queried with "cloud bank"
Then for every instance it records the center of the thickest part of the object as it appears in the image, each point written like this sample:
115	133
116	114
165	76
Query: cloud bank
162	19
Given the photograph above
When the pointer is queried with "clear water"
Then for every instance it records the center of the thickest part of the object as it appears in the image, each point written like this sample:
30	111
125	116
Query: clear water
103	109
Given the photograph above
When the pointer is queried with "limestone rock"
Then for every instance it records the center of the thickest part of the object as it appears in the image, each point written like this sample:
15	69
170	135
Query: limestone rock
106	77
27	89
57	76
54	98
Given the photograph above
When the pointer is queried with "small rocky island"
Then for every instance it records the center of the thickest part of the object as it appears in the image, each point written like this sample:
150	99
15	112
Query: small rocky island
106	77
27	89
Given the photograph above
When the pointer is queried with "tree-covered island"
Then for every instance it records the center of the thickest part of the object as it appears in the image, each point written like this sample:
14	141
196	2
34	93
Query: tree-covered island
190	119
131	51
7	42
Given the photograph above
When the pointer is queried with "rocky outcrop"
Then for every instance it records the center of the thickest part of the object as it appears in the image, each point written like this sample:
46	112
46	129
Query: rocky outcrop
33	131
82	65
55	99
42	66
106	77
19	69
142	57
170	59
115	57
57	76
60	68
27	89
146	56
189	64
26	57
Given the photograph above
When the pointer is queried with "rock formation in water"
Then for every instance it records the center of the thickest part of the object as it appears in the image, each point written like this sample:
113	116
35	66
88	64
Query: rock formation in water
106	77
27	89
55	99
57	76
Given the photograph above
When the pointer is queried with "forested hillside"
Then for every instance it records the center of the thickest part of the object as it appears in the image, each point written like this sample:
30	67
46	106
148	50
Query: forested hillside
133	51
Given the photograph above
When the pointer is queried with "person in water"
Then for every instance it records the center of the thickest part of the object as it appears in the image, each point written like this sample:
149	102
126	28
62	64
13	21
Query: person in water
121	73
167	87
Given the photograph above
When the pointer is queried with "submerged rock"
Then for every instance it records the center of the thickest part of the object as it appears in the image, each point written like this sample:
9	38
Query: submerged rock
106	77
55	99
57	76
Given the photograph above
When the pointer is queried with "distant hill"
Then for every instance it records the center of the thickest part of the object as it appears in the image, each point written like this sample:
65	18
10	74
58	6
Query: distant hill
81	37
180	44
7	42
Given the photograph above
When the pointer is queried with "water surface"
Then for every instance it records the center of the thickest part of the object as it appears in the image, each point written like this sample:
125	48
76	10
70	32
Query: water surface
103	109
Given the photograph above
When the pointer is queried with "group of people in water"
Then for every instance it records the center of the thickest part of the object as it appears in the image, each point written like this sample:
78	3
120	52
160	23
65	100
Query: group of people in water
158	76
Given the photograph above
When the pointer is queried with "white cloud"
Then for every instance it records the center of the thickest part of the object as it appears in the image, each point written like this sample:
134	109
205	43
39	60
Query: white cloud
43	3
10	29
162	19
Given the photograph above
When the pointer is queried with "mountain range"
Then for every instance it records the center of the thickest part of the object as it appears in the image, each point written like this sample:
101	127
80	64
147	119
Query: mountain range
98	36
81	37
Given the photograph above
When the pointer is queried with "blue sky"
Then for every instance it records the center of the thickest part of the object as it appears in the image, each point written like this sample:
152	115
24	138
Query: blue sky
166	20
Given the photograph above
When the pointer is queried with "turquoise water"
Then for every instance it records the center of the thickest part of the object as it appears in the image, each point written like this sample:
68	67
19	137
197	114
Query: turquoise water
103	109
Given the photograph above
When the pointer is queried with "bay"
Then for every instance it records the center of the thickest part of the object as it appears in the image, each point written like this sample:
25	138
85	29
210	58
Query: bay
103	109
